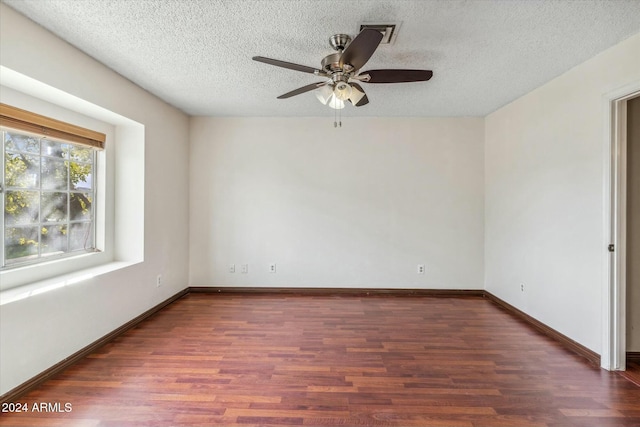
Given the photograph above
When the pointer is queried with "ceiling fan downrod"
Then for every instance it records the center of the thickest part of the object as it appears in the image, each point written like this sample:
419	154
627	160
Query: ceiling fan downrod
339	41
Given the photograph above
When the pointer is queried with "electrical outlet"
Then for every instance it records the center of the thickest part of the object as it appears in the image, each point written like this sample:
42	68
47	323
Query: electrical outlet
232	268
245	268
522	287
158	280
420	269
272	268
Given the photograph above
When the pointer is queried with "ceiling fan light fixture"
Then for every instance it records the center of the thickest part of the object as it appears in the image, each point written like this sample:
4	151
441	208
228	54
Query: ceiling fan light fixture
335	103
342	91
324	94
356	95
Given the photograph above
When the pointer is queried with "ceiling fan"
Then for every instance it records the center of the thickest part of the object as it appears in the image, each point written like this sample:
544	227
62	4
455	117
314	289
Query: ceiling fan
342	71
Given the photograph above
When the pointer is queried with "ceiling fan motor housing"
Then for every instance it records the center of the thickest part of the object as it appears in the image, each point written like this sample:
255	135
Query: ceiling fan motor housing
331	63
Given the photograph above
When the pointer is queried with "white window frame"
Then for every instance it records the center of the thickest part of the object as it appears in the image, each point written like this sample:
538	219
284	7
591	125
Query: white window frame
4	265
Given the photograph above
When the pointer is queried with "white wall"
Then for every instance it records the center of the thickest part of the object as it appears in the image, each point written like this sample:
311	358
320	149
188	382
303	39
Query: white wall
43	329
633	225
357	206
544	195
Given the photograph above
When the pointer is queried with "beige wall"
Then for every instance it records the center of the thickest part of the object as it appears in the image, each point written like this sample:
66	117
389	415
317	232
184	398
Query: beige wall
544	195
41	330
359	206
633	224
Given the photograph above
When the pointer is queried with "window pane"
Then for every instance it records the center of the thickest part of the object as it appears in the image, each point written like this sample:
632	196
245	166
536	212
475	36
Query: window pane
54	149
81	236
49	197
81	176
21	170
21	243
80	205
24	143
54	207
53	239
54	174
81	154
21	207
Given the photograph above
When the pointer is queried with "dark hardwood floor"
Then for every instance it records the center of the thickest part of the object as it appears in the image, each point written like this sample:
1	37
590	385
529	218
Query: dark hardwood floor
292	360
633	372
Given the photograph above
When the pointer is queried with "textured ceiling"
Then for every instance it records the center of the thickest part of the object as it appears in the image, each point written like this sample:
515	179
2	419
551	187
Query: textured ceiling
196	54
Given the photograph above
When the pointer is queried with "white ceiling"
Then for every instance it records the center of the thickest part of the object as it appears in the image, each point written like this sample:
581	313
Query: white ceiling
196	54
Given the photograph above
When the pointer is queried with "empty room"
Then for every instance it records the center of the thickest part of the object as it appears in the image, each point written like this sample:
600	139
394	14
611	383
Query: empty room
320	212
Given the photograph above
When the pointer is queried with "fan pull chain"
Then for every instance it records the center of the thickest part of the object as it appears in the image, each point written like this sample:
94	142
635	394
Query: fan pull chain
337	117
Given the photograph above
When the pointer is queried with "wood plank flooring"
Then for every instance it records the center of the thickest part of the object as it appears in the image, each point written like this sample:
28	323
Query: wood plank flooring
633	372
294	360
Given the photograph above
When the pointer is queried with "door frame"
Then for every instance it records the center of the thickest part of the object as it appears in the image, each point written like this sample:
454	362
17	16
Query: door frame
613	354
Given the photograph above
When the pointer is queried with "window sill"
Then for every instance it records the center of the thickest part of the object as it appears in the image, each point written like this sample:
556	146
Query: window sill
25	291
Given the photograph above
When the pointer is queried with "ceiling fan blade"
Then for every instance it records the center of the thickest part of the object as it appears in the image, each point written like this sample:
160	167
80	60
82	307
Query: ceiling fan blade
284	64
398	76
303	89
361	48
358	97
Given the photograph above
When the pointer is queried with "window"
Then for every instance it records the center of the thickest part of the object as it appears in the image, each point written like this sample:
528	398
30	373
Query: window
47	191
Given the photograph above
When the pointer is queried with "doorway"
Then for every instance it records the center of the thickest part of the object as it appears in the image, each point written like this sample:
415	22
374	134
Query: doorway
632	311
614	296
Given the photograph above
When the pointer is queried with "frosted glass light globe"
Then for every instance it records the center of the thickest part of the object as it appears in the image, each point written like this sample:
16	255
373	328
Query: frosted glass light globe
342	91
